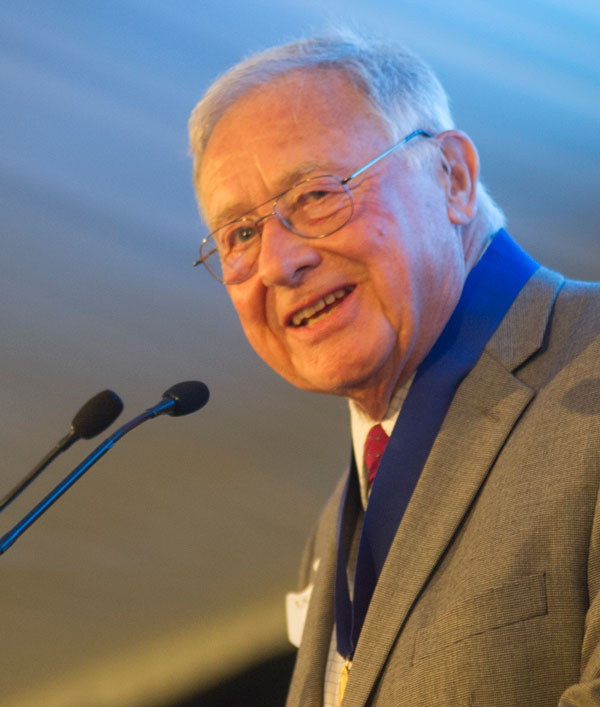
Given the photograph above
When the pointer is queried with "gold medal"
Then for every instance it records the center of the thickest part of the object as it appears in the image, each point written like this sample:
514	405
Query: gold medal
344	680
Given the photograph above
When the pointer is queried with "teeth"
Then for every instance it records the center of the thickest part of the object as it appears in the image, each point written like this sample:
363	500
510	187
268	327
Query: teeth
307	313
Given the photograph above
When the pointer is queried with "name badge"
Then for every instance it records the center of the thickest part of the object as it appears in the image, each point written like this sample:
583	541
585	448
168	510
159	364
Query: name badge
296	607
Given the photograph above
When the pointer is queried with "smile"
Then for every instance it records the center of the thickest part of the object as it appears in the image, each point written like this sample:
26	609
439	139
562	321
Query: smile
321	308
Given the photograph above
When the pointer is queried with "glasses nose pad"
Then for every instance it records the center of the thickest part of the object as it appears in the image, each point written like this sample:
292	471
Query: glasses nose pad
287	223
259	223
283	220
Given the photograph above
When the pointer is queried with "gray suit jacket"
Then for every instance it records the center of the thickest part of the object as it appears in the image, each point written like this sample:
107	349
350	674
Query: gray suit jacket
490	593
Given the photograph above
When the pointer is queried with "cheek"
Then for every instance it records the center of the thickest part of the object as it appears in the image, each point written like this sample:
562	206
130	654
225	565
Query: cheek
256	315
389	232
250	308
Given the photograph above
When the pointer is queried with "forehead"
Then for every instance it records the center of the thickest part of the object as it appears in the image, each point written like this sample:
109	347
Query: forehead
276	134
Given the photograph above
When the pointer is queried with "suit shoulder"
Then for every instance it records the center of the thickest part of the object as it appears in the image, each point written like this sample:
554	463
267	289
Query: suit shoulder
575	320
571	339
580	300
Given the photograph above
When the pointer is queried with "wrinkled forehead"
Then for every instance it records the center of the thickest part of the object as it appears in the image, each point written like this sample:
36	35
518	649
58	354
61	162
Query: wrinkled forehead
280	132
298	88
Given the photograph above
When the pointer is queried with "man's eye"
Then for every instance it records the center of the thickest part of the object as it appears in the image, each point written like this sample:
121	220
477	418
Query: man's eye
318	203
242	234
238	236
311	197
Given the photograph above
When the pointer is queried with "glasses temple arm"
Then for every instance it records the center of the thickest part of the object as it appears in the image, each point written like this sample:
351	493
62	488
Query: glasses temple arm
424	133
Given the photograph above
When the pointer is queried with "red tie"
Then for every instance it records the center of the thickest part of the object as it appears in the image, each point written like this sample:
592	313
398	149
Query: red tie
374	448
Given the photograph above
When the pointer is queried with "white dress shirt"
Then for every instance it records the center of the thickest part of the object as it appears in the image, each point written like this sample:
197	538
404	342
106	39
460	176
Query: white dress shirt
360	424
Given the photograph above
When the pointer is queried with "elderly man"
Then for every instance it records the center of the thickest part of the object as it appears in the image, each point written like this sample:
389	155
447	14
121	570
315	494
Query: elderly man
365	259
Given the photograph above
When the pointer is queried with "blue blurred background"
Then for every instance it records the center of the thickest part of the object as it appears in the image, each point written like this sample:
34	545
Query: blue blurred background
163	570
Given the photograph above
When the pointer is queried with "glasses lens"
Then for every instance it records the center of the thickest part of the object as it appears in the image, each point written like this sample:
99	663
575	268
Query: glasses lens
209	257
316	207
231	251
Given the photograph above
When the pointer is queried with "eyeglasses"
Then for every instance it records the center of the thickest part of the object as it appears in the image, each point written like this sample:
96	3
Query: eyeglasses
314	208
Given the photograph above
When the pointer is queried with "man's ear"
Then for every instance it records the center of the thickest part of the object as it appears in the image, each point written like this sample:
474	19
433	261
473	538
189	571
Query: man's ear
460	167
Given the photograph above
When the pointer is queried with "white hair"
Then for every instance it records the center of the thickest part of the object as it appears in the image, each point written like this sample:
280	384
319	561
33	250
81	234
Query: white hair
401	90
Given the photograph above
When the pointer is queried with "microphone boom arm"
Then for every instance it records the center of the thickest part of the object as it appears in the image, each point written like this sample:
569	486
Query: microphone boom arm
11	536
62	445
94	417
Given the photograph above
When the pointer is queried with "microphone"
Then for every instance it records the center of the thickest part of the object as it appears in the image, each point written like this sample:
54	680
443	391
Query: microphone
181	399
94	417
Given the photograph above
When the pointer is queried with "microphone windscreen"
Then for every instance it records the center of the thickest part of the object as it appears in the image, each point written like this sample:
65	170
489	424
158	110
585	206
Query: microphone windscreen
189	396
97	414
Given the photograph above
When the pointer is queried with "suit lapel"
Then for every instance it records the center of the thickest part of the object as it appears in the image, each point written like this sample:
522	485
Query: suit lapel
488	404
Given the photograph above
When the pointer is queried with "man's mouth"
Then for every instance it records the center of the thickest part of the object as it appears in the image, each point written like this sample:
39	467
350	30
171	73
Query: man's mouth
321	308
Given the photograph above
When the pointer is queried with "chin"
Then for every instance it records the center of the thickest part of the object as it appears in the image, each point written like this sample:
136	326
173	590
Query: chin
331	374
334	381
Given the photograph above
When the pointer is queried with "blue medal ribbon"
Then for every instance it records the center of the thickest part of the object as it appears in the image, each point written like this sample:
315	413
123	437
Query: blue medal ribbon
488	293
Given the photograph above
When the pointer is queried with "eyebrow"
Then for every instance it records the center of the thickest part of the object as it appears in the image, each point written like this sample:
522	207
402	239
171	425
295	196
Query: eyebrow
287	180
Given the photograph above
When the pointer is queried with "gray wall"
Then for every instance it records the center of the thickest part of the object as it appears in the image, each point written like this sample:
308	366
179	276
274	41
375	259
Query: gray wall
166	565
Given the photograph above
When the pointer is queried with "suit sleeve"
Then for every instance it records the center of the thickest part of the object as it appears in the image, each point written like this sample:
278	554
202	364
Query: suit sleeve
586	693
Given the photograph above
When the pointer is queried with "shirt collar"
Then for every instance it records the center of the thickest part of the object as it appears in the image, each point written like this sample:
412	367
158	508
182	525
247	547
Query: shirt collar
361	423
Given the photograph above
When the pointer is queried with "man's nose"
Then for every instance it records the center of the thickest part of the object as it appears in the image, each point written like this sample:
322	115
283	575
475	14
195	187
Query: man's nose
284	257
